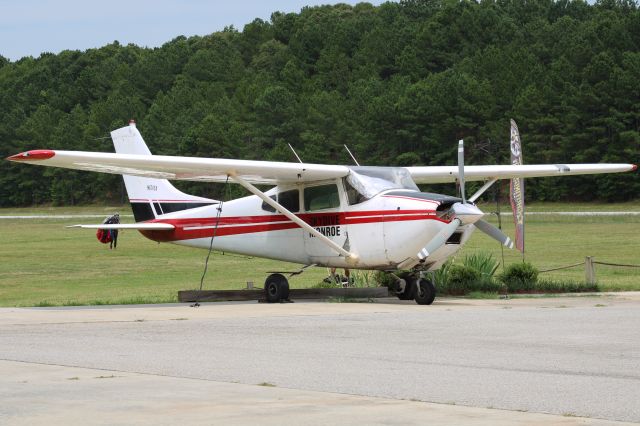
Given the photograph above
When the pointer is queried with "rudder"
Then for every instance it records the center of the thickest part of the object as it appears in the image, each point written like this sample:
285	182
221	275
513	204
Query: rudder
150	197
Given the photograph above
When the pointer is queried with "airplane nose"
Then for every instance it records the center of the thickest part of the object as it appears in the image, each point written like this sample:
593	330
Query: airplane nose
467	213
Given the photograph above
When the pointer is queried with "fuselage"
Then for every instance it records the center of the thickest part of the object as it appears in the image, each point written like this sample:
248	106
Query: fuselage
383	231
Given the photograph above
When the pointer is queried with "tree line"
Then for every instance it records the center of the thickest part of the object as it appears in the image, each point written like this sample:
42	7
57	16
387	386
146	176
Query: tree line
399	83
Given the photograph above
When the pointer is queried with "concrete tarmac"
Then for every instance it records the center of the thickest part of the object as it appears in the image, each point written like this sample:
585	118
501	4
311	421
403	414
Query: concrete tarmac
567	360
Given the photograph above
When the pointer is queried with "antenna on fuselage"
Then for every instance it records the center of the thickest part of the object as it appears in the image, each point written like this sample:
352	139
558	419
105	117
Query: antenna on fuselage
294	152
352	157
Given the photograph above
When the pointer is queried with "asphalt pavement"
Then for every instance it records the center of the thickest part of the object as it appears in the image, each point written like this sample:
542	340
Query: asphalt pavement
568	360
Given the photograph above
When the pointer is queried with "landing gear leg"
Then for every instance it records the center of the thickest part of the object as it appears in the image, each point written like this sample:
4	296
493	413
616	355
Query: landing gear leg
405	286
425	292
276	288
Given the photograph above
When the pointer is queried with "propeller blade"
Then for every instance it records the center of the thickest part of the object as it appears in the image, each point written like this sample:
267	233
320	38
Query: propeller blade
494	233
440	238
461	169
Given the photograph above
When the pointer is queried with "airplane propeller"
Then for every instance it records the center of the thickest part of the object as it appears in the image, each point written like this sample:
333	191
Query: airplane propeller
461	169
464	213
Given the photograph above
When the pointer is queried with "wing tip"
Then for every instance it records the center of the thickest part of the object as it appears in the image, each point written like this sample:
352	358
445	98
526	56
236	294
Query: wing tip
35	154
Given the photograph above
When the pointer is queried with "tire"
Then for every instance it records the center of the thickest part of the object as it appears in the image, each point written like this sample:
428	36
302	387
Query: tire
276	288
284	289
425	292
409	292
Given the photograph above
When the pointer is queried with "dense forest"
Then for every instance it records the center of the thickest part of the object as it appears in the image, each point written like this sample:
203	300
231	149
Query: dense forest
399	84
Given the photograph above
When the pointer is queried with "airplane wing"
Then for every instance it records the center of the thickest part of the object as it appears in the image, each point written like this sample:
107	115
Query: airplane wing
272	172
156	226
183	168
442	174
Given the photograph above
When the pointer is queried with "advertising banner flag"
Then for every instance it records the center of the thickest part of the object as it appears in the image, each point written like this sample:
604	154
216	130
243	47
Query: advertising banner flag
516	191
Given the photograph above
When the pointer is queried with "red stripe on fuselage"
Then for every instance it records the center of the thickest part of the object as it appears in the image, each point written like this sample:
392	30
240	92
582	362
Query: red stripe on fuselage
237	225
310	218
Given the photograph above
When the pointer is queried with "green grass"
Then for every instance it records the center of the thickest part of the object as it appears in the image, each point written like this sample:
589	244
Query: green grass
555	241
45	264
44	210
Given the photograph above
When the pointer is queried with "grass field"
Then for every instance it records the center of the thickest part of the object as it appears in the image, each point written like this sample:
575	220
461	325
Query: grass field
43	263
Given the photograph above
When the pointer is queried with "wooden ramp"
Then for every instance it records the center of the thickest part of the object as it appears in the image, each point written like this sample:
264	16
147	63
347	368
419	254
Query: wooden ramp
302	293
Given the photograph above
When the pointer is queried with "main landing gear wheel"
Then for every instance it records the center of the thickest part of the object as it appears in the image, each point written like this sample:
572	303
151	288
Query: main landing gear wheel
425	292
276	288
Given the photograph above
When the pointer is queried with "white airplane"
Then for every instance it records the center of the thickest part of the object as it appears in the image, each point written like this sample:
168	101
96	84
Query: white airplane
372	218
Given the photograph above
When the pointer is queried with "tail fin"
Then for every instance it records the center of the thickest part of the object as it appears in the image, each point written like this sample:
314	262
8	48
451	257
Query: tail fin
150	197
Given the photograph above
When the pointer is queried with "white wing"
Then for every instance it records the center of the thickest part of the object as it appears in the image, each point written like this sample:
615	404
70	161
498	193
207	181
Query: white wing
441	174
183	168
271	172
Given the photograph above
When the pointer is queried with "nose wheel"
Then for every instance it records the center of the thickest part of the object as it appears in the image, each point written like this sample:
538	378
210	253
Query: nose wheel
412	287
276	288
425	292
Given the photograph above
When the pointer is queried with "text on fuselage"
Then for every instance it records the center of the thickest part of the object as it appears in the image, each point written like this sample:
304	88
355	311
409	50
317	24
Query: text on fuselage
328	225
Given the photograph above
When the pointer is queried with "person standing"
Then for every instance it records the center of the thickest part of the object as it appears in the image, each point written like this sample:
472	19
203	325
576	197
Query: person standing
337	279
115	219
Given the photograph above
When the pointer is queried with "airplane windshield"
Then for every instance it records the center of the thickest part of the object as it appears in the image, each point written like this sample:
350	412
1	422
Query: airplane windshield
370	181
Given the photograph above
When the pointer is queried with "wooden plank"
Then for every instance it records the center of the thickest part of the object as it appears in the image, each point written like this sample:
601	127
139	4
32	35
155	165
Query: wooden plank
219	295
302	293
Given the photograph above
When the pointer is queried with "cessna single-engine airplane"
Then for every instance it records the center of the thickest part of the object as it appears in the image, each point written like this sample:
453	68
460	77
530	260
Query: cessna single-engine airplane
323	215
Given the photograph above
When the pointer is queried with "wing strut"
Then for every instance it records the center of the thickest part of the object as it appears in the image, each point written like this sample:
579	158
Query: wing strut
351	257
481	191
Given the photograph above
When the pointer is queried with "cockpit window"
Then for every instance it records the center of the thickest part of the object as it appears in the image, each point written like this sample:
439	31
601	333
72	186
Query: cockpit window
321	197
353	196
290	200
369	181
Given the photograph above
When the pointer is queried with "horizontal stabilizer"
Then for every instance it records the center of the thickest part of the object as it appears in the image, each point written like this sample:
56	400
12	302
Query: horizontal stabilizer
141	226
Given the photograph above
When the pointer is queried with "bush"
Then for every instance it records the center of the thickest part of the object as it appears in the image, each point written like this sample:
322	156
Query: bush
441	276
474	275
520	277
365	278
384	279
482	262
461	280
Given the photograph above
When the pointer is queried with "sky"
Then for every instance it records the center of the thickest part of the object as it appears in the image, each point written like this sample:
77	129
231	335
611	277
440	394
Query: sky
31	27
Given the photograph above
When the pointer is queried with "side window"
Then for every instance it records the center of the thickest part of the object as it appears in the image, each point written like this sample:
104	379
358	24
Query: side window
321	197
267	207
290	200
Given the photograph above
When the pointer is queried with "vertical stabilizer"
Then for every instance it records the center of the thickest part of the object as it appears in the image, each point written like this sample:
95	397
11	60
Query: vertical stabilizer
150	197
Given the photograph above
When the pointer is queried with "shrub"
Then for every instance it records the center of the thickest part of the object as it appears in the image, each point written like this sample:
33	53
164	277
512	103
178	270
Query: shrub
520	277
482	262
441	276
463	280
460	279
384	279
474	275
364	278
